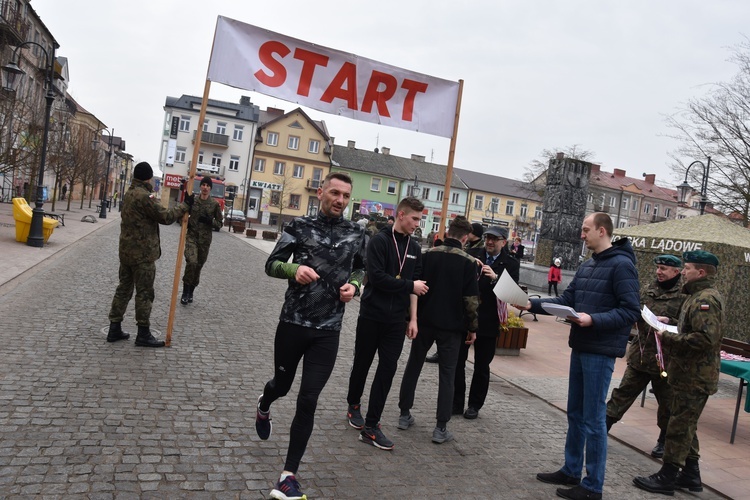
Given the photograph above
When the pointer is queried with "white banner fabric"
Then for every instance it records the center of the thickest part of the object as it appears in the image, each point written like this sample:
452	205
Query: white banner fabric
329	80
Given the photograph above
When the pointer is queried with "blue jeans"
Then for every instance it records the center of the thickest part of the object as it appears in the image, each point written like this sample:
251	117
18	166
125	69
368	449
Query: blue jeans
588	384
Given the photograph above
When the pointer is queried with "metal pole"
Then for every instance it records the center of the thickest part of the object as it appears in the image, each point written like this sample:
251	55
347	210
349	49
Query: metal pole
704	186
103	212
36	234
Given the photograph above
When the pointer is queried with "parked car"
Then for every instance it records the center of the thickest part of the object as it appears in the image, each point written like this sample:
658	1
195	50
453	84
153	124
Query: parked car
235	215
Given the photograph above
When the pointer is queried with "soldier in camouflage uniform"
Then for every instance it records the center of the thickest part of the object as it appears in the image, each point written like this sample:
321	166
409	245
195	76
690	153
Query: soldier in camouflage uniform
664	298
446	315
326	271
139	250
693	373
205	216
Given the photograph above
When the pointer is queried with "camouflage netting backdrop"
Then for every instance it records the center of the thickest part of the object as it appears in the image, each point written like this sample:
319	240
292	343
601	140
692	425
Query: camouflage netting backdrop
728	241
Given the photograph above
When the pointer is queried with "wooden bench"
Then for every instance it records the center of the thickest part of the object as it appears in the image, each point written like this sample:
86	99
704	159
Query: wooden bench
58	217
739	369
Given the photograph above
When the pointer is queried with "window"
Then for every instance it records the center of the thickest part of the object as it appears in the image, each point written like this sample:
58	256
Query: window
216	160
294	201
647	208
179	156
278	168
238	131
221	128
205	125
622	224
200	156
435	223
234	163
510	205
391	187
538	213
494	205
184	123
260	165
625	203
478	202
667	212
423	222
275	198
293	142
590	198
439	195
299	171
454	197
425	193
375	184
313	147
273	139
635	206
524	210
611	201
656	209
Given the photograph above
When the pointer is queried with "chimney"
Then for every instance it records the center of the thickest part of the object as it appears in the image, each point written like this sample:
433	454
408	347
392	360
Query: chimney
650	178
619	172
274	111
386	151
417	158
560	156
350	144
245	101
595	168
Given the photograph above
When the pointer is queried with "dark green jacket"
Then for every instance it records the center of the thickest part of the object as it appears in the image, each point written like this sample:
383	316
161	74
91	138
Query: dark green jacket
642	350
139	226
694	352
202	233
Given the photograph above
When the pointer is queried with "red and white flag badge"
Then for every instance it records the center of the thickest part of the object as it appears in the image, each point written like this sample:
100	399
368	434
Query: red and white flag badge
705	307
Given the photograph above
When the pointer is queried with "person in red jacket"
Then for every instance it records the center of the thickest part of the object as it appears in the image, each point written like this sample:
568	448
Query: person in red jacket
554	276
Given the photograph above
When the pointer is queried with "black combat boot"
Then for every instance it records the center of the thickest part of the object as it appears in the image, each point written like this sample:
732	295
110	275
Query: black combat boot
146	339
662	482
190	293
115	333
658	450
184	298
690	476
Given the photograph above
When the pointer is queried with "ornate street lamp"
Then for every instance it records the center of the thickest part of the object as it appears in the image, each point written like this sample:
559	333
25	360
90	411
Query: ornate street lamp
490	212
94	145
684	189
11	79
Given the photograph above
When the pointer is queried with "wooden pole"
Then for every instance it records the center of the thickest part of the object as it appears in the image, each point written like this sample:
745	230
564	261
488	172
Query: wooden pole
449	170
183	231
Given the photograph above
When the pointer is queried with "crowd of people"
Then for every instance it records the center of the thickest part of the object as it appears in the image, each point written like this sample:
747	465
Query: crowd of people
445	296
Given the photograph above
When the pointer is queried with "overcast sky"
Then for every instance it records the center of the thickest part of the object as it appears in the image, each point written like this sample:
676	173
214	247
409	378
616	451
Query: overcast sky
538	74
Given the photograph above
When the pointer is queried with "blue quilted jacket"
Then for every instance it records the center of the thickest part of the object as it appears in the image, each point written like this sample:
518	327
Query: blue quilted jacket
605	287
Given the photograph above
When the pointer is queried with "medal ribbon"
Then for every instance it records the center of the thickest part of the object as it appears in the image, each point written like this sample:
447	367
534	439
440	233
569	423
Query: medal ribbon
401	261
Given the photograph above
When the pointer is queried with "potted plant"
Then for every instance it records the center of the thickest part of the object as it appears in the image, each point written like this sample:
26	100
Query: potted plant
250	232
270	235
513	336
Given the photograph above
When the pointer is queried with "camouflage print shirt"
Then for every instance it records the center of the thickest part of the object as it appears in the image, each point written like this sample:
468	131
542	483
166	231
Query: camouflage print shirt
139	226
202	233
694	359
335	249
642	351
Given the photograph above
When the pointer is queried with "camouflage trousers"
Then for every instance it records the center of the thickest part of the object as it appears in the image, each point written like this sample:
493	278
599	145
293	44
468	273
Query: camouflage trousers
141	277
682	440
632	385
196	255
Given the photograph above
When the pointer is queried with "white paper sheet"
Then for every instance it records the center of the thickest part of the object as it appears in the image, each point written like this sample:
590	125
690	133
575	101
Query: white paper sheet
652	320
508	291
559	310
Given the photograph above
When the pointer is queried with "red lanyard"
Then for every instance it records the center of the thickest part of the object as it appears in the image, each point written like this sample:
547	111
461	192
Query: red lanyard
401	261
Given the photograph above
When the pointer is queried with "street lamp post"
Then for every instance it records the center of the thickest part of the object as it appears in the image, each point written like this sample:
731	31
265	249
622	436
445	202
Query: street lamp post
684	189
94	144
11	72
122	188
490	212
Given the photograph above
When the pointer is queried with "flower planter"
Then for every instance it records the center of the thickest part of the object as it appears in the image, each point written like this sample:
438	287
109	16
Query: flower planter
270	235
250	233
238	227
511	341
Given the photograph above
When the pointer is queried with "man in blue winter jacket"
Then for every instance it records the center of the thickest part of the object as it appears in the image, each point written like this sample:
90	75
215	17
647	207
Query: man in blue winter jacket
606	295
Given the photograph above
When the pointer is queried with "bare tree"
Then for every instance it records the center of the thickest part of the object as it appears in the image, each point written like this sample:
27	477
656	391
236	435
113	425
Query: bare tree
717	125
281	197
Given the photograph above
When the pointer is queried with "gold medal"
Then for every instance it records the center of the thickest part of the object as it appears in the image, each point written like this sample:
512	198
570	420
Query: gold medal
398	276
663	374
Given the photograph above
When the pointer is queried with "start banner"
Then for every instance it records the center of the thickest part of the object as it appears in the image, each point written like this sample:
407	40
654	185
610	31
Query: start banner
329	80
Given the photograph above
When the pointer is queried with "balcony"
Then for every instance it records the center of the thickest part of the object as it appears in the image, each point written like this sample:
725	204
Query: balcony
213	139
13	29
657	218
313	184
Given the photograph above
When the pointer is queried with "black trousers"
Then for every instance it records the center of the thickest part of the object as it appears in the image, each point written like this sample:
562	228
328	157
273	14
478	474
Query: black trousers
484	352
387	340
448	345
319	349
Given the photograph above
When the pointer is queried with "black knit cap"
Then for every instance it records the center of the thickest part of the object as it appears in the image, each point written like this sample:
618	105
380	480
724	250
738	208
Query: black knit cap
143	171
477	229
207	181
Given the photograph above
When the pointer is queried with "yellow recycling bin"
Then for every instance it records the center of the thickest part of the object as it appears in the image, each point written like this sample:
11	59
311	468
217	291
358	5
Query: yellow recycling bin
22	213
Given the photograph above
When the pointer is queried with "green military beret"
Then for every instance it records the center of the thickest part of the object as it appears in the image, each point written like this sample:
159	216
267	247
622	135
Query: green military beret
700	257
668	260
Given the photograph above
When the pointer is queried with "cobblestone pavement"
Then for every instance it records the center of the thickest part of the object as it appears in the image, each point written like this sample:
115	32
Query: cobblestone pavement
80	418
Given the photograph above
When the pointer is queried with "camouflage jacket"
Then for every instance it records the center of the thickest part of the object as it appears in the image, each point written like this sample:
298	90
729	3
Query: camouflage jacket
202	233
139	226
335	249
642	350
694	361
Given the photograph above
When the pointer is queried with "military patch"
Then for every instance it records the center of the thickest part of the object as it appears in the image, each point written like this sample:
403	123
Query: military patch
705	307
